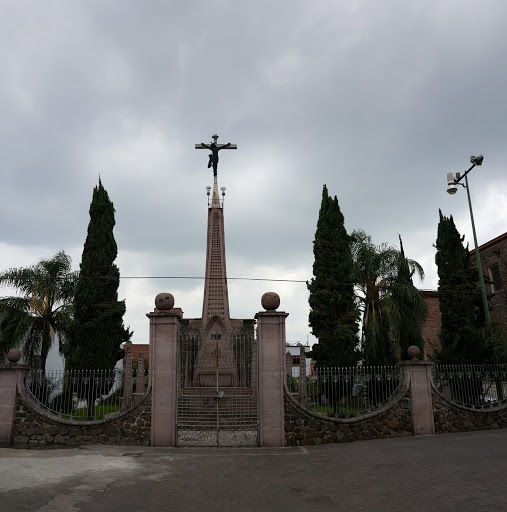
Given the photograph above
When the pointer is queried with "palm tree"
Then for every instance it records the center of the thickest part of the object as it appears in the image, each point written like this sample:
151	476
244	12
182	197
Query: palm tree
376	272
410	304
42	309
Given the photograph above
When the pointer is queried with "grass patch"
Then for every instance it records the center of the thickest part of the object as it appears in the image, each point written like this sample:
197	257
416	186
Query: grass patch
345	412
322	409
99	413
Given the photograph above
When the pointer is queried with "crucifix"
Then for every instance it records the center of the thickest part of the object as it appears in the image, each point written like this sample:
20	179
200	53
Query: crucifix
215	148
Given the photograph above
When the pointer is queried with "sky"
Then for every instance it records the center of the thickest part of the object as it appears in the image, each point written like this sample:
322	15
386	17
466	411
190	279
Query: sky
377	100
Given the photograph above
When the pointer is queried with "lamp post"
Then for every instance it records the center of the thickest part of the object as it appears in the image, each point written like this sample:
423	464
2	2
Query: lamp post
452	182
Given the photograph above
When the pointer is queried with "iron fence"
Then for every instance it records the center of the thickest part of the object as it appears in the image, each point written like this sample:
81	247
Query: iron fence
77	394
473	385
348	391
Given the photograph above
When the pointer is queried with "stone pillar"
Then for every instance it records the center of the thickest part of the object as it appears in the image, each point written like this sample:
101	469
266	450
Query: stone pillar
289	363
271	339
127	379
10	375
164	326
140	389
302	395
420	393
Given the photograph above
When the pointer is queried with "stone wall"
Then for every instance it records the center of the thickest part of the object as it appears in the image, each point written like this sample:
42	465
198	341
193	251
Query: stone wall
35	428
394	419
449	417
302	427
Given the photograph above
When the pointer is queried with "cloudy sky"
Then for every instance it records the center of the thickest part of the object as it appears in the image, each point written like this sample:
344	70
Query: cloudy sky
379	100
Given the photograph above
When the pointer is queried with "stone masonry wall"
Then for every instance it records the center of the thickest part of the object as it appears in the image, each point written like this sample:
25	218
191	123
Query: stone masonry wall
303	427
449	417
35	430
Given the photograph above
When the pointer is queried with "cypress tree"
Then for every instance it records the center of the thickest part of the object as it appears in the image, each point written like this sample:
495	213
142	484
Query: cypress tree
333	312
97	330
459	337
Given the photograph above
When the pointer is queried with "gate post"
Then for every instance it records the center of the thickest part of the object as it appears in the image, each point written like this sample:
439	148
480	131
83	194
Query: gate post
271	343
420	393
164	325
12	376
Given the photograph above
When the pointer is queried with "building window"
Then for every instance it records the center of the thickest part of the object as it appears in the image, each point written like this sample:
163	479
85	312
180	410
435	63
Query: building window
295	360
494	274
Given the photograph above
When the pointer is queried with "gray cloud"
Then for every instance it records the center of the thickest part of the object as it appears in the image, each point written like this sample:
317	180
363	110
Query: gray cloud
377	100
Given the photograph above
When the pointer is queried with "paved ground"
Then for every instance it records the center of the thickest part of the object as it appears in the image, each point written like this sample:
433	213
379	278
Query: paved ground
450	472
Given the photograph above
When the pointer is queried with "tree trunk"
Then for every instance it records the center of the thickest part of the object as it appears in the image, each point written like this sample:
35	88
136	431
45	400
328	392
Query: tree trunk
44	348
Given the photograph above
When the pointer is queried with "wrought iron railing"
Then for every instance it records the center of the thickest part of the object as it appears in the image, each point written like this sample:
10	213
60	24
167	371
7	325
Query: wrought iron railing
77	394
473	385
348	391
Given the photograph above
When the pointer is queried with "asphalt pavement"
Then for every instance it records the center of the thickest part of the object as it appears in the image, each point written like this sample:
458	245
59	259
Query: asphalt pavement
448	472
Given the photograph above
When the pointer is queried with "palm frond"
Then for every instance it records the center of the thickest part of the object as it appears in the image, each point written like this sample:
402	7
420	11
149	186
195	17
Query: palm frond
33	319
14	329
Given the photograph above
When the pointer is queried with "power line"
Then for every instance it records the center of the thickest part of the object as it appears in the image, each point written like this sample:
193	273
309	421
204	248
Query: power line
261	279
202	278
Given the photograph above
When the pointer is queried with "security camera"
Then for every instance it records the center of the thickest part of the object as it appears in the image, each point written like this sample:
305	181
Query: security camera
451	188
477	160
451	185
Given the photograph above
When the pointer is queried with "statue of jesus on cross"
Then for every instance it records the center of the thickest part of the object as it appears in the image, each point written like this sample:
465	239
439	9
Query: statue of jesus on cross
215	148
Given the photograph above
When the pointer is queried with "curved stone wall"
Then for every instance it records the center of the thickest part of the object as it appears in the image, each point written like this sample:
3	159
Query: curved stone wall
36	428
451	417
303	427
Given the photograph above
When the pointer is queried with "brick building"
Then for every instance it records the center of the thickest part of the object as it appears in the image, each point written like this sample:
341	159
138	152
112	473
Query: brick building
494	267
135	350
431	327
294	351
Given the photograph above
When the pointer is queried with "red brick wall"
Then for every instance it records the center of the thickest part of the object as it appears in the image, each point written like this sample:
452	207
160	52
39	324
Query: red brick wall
495	252
431	327
136	349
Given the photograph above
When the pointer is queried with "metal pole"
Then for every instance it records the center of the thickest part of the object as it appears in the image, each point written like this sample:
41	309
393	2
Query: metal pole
478	260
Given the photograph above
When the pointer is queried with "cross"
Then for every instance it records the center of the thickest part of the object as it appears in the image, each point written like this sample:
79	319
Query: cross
214	147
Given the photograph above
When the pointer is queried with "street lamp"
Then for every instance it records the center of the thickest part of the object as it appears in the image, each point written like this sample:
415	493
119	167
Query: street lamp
452	188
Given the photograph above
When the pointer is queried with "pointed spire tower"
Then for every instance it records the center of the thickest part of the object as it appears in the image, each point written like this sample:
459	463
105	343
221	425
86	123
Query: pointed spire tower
216	295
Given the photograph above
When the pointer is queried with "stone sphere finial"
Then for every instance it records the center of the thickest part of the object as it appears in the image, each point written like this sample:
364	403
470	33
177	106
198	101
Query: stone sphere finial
414	352
164	301
14	355
270	301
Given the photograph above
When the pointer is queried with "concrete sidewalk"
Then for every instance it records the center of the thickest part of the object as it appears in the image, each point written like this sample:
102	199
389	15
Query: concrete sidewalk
449	472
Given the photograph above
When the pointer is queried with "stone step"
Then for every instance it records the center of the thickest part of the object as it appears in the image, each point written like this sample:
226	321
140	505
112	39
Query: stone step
212	391
230	411
207	402
226	416
197	408
186	413
189	413
211	424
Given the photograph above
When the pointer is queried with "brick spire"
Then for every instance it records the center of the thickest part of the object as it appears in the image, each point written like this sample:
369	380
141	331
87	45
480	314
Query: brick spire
216	296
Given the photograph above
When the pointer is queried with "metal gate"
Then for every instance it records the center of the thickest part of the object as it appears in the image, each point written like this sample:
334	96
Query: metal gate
217	389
